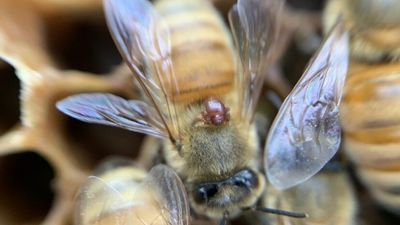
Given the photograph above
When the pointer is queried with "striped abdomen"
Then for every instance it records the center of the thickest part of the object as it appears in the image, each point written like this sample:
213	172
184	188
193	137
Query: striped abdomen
201	49
370	115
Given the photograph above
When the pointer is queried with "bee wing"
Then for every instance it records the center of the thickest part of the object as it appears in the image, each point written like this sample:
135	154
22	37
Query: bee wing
99	202
171	195
306	132
143	40
159	199
112	110
255	28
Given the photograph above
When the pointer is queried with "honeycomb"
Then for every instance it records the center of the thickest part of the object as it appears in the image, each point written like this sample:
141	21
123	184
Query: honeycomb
50	49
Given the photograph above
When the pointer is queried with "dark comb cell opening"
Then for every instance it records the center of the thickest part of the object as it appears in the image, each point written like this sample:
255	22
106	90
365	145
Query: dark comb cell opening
9	97
25	188
314	5
370	212
80	44
294	62
96	142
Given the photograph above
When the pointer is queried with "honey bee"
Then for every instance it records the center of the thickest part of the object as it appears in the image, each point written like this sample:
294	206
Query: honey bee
200	95
369	114
120	192
374	27
328	197
369	120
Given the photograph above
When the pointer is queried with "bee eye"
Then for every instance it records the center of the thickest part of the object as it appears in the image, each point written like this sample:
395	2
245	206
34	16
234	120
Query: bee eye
205	192
245	178
239	182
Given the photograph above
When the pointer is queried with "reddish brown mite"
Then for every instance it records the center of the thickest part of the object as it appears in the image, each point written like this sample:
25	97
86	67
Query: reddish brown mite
216	113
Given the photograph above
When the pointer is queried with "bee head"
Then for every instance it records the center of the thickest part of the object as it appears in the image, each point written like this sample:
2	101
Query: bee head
241	190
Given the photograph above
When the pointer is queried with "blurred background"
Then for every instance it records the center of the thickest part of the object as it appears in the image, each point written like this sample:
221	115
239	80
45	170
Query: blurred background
50	49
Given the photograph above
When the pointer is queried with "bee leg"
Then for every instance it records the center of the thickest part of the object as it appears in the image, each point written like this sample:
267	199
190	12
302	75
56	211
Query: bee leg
333	167
225	219
276	81
253	218
149	151
338	164
262	124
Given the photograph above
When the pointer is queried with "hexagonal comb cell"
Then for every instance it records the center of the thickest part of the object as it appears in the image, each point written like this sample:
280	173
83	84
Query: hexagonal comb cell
25	188
9	97
96	142
82	44
31	82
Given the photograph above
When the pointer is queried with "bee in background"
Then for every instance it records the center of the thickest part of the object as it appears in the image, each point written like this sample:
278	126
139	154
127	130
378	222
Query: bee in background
374	27
120	192
199	94
370	122
369	112
328	198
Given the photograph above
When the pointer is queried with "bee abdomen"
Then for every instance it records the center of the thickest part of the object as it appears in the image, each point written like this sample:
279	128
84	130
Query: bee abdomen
374	27
370	114
201	49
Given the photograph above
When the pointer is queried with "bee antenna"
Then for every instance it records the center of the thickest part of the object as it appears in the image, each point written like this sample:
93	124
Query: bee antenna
279	212
224	220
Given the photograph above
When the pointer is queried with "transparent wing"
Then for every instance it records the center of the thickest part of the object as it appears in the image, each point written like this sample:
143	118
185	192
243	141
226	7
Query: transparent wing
112	163
306	132
143	40
112	110
125	195
171	195
100	203
254	24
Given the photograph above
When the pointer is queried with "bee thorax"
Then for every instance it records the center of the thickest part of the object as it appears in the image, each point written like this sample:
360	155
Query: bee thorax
216	151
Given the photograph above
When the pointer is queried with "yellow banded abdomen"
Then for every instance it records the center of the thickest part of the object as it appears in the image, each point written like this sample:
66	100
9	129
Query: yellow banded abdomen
201	49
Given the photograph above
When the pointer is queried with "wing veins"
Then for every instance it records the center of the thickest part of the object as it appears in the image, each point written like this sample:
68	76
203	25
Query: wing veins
254	46
142	128
127	37
291	113
306	83
315	98
166	97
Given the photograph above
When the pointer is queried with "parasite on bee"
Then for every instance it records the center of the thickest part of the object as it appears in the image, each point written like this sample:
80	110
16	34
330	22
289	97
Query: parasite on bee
200	94
374	27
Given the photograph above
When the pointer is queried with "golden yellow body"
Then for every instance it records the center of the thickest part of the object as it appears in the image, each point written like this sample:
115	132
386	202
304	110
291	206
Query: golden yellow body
128	178
370	111
370	118
328	196
203	60
374	27
194	97
201	49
